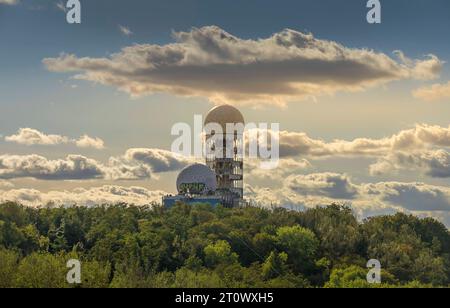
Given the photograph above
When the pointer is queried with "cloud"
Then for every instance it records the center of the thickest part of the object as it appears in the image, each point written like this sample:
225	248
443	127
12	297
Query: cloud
61	6
209	62
331	185
422	136
423	148
9	2
366	199
411	196
30	136
73	167
285	167
159	160
6	184
84	197
434	92
136	164
143	163
88	142
433	163
125	30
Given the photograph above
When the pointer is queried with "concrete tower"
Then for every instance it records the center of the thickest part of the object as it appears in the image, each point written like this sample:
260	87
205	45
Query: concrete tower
224	152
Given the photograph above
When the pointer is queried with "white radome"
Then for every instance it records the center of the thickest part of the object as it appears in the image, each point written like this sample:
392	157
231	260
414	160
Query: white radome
197	174
223	115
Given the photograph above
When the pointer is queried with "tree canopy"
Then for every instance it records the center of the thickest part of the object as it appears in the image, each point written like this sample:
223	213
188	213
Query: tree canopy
203	246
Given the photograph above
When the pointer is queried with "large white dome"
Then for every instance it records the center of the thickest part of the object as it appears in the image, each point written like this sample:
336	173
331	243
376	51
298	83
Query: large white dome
223	115
197	179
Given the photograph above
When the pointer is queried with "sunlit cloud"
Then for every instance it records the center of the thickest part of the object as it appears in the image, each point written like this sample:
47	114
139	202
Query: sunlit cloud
135	164
30	136
109	194
209	62
434	92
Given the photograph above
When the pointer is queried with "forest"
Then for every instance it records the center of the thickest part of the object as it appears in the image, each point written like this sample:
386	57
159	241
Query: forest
121	246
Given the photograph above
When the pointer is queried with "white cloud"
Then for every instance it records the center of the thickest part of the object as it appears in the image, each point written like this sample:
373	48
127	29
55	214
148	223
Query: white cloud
9	2
125	30
88	142
84	197
30	136
5	184
136	164
73	167
434	92
286	166
423	148
420	137
212	63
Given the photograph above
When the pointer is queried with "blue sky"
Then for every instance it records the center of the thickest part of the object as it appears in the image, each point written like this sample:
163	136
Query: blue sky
33	97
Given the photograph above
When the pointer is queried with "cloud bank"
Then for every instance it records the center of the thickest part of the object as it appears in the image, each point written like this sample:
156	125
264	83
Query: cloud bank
422	148
136	164
209	62
84	197
321	189
420	137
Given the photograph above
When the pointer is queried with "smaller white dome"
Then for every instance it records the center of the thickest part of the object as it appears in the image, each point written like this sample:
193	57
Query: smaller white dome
196	179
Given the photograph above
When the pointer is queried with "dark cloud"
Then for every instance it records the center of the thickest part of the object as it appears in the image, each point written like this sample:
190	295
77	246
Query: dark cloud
411	196
331	185
433	163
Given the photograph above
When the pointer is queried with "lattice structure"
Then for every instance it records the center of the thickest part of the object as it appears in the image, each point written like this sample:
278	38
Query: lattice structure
224	152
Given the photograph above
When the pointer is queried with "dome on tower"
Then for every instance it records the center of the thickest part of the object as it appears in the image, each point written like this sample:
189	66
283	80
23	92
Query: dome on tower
223	115
196	179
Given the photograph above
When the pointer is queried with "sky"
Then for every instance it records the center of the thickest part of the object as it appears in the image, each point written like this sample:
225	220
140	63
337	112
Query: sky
86	110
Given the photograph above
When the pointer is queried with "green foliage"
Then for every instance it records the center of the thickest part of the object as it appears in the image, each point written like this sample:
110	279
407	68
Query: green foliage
300	244
201	246
275	265
219	253
41	271
9	261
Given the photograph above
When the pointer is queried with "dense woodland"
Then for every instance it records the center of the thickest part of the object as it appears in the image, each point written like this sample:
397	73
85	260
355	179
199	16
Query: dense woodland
201	246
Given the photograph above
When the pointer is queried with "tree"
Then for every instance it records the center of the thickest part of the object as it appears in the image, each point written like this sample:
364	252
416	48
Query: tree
202	246
337	228
350	277
430	270
95	274
8	267
275	265
42	270
301	246
219	253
